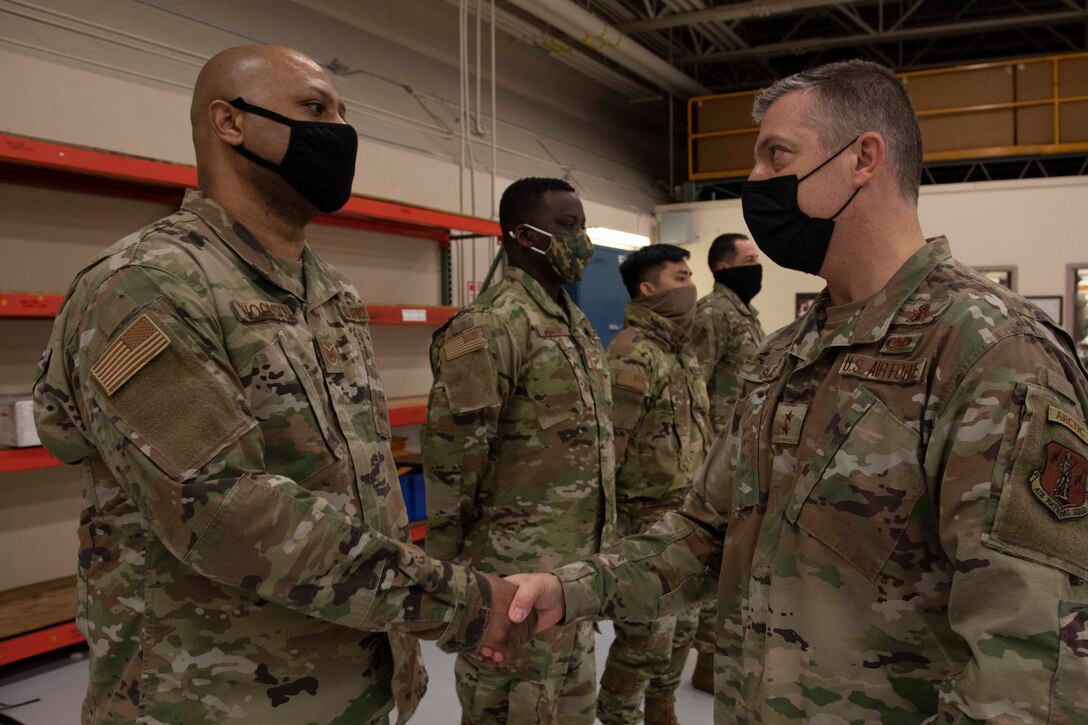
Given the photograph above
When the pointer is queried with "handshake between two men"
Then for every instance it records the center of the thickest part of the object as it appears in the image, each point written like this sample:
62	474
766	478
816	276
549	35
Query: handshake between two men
522	605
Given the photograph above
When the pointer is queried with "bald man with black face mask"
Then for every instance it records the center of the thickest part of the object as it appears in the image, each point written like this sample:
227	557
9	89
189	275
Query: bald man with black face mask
244	550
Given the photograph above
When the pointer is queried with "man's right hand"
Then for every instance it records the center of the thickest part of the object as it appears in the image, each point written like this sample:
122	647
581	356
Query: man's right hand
541	593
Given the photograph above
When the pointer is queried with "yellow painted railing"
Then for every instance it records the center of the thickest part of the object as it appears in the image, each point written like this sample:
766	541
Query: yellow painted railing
1022	107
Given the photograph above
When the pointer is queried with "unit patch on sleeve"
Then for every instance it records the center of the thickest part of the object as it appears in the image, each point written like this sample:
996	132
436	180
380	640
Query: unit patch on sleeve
888	371
134	348
1061	481
262	311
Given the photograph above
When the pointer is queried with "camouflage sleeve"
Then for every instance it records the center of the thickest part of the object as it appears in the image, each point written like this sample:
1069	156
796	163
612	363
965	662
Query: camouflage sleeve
631	396
474	367
709	336
671	567
153	387
1010	455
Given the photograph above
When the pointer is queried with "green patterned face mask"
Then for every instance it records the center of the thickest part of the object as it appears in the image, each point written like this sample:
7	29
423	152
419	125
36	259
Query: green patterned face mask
568	254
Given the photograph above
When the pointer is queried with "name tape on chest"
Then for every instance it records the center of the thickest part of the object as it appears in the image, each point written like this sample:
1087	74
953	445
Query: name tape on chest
887	371
463	344
354	313
138	345
262	311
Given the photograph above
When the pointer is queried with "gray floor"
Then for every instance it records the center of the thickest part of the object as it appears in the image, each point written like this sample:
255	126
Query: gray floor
58	685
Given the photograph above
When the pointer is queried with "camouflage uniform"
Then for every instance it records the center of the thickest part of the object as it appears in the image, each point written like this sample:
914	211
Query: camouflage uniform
901	501
518	457
243	541
726	335
661	416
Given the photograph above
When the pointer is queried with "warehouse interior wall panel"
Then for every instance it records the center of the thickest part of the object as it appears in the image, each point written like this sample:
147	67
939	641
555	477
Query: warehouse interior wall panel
996	223
117	75
39	512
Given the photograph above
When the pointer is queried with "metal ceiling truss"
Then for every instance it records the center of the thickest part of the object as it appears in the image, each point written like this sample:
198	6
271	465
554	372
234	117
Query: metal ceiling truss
733	45
946	172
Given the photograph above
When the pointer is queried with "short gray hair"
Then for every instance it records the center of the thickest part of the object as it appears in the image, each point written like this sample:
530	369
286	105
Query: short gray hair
853	97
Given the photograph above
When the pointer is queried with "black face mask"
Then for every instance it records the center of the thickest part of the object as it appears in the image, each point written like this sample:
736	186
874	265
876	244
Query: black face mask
782	231
745	281
320	159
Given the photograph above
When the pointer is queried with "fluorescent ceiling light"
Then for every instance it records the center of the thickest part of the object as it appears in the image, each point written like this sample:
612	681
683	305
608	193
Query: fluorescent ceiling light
605	237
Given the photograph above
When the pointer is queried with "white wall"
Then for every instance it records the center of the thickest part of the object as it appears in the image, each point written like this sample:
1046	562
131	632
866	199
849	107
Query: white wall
1037	225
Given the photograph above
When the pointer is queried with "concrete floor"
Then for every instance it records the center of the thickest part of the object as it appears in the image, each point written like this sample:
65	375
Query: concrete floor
55	685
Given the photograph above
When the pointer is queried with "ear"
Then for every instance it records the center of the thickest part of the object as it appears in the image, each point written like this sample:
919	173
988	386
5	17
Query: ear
646	288
870	157
521	236
719	266
225	121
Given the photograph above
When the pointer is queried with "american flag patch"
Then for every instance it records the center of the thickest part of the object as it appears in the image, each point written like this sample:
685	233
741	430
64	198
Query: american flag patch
137	346
464	343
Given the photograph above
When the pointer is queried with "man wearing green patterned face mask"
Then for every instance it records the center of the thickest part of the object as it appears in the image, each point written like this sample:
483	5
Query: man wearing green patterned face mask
518	450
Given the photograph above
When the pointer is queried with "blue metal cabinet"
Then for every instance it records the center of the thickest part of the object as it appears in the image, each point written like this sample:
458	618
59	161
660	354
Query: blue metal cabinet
601	293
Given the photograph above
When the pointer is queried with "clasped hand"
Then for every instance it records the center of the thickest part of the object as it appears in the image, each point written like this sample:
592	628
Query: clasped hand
521	606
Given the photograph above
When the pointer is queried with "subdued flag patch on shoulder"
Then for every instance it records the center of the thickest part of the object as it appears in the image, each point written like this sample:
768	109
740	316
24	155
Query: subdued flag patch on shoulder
632	381
132	350
463	344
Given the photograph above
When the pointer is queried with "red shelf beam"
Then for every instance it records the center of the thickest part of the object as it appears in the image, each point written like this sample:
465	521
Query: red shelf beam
29	305
22	646
409	314
43	163
26	459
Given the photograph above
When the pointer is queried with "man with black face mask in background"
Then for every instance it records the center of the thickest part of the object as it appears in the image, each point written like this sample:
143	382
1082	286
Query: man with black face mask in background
518	450
725	336
661	416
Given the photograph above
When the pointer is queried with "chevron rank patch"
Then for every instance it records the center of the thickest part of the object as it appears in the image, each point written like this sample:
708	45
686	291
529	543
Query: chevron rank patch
463	344
138	345
354	313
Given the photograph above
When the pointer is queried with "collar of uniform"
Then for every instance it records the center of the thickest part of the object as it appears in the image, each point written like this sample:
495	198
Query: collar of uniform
542	299
238	238
746	310
320	279
870	323
654	325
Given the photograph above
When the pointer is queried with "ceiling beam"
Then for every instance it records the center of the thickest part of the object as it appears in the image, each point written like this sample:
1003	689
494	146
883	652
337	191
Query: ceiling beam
739	11
930	31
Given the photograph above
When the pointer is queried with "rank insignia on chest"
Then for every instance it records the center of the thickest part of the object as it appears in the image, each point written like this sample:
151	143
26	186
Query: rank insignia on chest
1061	482
788	421
331	359
900	344
262	311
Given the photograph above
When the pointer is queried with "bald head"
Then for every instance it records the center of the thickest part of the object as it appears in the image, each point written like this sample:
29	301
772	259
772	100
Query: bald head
260	74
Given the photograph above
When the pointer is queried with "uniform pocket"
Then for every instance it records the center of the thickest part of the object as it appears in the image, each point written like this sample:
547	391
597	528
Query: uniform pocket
857	494
282	393
553	384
